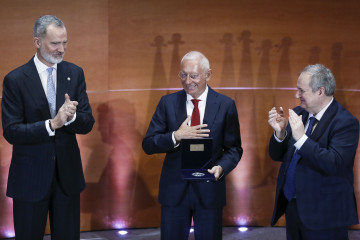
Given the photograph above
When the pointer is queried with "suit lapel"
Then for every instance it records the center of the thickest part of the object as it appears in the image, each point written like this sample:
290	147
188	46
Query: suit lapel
212	107
63	84
180	104
305	117
35	88
325	121
322	124
320	128
292	141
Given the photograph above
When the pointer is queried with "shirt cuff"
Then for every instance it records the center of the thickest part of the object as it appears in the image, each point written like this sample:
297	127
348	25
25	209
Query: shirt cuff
222	174
174	141
72	120
300	142
278	139
51	133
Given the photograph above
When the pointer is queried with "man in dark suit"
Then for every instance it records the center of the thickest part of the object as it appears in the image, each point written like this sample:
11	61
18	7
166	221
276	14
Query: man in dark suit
183	200
315	183
44	106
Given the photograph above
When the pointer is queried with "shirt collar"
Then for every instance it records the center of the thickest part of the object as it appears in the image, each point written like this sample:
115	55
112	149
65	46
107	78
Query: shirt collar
202	97
321	113
40	66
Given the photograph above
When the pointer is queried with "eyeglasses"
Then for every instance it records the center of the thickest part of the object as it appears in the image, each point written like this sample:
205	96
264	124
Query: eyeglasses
184	76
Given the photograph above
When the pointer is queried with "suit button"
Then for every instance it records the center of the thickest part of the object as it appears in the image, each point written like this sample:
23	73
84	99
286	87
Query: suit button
54	158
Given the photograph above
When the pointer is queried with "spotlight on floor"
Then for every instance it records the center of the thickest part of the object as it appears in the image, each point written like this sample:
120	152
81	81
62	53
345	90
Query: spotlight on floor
9	233
242	229
122	232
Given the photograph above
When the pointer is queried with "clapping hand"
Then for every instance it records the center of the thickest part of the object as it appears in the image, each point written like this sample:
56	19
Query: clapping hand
277	121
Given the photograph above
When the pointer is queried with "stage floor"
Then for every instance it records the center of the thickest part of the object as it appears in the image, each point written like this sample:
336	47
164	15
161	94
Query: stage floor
229	233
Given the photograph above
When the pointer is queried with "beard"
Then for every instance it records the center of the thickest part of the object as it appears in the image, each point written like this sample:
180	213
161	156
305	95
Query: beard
49	58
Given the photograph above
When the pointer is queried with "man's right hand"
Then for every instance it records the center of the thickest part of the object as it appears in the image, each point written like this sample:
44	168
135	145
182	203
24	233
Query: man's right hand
186	131
65	113
278	122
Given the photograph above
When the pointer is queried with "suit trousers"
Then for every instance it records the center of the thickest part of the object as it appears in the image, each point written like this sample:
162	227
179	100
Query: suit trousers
295	229
64	215
176	221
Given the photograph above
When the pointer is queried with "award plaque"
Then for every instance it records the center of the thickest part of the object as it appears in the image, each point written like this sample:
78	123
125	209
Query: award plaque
196	159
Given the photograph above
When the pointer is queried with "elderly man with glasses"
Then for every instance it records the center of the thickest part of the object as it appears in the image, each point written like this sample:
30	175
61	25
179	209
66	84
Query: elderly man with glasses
196	112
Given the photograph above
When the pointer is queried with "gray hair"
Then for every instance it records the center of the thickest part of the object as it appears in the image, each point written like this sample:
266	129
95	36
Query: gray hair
321	77
195	55
41	24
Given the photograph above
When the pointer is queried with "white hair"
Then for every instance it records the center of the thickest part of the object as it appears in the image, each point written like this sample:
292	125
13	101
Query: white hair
195	55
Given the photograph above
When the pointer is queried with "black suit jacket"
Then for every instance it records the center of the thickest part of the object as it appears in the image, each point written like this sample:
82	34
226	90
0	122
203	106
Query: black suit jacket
24	112
222	119
324	176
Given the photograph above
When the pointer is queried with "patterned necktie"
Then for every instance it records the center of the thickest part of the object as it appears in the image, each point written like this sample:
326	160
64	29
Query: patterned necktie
195	117
51	95
289	188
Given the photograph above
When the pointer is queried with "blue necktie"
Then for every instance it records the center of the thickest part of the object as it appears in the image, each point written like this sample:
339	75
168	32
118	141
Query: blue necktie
51	94
289	188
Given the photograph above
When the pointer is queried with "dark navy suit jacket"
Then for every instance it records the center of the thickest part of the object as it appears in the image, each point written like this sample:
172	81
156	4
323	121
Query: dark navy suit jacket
324	176
222	119
24	112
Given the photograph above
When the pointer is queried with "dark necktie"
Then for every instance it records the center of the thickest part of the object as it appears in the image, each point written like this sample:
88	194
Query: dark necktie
289	188
195	117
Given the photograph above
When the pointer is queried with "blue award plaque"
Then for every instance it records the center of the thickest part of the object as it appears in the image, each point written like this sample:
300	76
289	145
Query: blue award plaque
196	159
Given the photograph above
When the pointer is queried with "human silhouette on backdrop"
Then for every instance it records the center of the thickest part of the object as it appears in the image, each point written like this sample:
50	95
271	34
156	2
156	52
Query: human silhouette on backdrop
246	72
183	200
44	106
336	55
314	55
176	41
228	72
159	76
315	182
124	194
264	78
284	74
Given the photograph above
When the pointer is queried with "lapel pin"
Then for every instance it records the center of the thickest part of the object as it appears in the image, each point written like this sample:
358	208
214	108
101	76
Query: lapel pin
68	78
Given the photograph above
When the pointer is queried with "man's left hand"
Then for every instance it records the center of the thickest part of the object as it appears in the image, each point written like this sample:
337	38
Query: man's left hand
296	124
217	171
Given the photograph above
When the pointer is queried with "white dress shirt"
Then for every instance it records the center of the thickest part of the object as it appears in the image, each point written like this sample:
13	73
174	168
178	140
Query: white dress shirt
201	105
43	74
318	116
302	140
190	107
